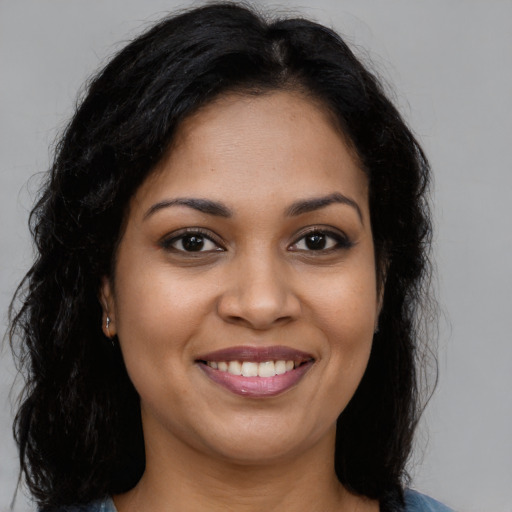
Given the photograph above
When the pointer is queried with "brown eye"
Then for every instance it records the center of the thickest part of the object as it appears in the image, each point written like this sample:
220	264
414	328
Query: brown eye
191	242
319	240
315	241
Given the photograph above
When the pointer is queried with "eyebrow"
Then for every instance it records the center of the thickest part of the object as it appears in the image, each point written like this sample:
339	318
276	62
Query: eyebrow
220	210
203	205
315	203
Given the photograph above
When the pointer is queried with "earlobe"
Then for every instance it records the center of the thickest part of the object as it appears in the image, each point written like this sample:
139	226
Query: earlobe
106	298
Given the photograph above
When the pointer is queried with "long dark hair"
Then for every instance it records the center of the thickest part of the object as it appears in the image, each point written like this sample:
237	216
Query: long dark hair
78	425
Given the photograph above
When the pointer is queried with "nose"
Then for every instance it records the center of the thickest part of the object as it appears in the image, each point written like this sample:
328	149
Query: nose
258	294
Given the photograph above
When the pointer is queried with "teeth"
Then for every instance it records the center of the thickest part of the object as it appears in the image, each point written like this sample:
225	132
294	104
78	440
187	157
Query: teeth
253	369
266	369
280	367
249	369
235	368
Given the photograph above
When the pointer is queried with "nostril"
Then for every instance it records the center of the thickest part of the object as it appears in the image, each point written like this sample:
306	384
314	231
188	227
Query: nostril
258	301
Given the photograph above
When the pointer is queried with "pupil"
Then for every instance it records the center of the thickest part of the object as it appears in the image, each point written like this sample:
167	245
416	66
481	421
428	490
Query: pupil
315	241
193	243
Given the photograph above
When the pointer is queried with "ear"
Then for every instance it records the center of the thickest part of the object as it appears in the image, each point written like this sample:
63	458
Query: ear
106	297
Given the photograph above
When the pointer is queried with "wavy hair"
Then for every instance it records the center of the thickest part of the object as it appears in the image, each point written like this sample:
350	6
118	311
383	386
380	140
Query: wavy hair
78	424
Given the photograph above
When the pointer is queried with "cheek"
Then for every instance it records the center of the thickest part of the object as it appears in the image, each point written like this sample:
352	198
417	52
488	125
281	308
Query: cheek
153	319
347	306
350	335
155	324
157	304
346	313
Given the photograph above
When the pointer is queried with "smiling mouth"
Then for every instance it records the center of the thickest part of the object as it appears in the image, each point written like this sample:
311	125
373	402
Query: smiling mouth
256	372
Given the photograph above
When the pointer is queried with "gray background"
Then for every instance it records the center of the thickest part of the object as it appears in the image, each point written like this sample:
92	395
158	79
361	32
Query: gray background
450	66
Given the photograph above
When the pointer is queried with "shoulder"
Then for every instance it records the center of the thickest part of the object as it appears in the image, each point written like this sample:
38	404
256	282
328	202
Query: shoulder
106	505
416	502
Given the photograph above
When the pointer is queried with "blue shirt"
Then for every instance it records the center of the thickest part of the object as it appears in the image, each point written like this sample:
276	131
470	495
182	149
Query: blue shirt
416	502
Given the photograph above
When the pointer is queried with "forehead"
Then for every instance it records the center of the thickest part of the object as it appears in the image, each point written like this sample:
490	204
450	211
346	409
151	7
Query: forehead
253	147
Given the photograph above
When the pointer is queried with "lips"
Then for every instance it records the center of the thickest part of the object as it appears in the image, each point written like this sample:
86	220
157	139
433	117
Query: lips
256	371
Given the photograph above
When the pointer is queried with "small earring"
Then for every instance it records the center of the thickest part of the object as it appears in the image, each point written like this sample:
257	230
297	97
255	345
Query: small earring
109	336
376	329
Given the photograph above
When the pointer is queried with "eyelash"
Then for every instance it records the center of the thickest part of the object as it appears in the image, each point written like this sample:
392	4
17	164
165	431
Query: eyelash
341	241
167	243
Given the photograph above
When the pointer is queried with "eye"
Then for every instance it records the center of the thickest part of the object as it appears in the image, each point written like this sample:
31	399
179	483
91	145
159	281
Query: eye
191	241
321	240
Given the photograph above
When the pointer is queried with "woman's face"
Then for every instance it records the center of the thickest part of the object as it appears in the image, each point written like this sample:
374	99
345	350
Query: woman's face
248	250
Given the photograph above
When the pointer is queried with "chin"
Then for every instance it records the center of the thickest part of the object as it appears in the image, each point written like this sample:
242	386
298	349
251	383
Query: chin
261	443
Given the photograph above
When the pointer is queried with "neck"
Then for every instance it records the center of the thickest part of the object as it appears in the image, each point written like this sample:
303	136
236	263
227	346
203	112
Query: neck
179	478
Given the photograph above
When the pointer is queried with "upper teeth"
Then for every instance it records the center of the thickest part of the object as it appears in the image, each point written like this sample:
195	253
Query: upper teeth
253	369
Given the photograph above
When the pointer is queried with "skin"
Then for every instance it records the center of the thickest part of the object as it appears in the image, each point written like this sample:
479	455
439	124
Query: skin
256	283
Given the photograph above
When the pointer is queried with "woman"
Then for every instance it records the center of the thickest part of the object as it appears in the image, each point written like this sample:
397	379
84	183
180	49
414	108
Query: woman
232	253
